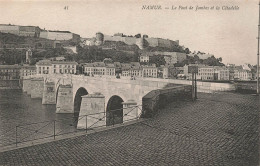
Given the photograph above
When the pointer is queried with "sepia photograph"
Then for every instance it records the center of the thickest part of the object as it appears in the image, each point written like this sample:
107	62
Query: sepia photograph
129	82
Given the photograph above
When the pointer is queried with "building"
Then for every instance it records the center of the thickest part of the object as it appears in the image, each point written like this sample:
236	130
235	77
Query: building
144	57
55	67
187	69
29	31
110	69
59	35
118	67
64	67
27	70
241	74
150	71
32	31
172	57
135	70
163	72
125	67
169	57
9	72
28	56
222	73
8	28
208	72
44	67
96	68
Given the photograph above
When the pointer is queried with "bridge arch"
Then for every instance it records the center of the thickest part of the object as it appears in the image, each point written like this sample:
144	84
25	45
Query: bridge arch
77	99
114	110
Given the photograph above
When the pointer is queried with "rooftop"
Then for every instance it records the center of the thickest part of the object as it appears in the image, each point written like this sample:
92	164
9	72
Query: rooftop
10	66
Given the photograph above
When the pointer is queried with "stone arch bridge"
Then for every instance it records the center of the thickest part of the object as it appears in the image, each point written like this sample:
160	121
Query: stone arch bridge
83	95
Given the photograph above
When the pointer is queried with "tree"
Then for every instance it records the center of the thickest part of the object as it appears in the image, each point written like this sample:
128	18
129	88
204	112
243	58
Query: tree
33	62
138	35
158	60
212	61
187	50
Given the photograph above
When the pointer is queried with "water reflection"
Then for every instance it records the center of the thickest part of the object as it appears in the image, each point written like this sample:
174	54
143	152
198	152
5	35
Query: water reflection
17	108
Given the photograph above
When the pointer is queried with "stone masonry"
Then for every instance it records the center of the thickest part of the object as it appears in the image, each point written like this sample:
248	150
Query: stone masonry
65	99
37	87
92	105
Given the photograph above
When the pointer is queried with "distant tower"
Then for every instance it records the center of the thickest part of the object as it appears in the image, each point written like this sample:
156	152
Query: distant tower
28	56
99	38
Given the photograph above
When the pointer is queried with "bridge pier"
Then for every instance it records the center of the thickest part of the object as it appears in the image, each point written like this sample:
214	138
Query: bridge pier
49	95
64	99
27	85
130	111
93	108
37	87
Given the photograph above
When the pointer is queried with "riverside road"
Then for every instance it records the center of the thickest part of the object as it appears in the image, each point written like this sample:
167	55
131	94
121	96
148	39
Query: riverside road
217	129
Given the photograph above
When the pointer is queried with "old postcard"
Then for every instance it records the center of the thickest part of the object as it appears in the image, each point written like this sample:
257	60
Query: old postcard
133	82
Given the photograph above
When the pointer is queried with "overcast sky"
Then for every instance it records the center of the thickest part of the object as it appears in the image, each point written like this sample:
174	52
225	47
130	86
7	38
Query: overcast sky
227	34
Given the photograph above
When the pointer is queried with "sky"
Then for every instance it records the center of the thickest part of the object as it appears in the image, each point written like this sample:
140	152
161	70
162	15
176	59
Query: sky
230	34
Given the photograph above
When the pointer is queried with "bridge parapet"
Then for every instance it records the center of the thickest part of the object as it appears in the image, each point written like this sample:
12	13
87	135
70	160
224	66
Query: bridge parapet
159	98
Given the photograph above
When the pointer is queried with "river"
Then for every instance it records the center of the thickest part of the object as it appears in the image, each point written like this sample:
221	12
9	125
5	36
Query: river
17	108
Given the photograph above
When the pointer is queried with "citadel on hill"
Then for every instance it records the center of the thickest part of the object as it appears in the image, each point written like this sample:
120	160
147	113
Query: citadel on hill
140	41
36	32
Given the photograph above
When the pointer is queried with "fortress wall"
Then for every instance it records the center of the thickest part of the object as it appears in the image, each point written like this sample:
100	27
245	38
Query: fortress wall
113	38
153	42
130	40
56	35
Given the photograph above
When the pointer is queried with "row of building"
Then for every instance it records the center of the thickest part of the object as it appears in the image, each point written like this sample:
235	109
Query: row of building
133	69
172	57
13	72
218	73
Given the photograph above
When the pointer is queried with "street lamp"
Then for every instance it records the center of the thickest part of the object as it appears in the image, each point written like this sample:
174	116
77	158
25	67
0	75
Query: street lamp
257	84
